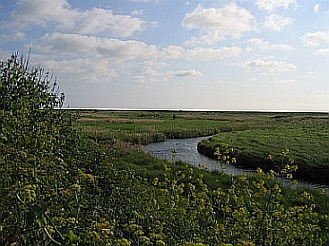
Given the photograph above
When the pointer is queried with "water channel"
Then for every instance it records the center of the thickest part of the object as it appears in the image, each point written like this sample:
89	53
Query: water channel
187	152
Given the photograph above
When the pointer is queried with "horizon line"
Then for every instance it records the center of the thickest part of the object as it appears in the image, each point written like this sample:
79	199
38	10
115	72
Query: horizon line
198	110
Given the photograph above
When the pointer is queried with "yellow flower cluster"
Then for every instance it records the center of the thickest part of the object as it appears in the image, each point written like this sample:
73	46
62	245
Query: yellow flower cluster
183	208
224	154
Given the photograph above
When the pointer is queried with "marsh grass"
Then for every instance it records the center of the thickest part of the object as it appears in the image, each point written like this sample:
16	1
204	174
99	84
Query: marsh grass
254	135
308	140
152	126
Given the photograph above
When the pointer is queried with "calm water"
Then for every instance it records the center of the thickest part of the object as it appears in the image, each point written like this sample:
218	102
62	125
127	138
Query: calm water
187	152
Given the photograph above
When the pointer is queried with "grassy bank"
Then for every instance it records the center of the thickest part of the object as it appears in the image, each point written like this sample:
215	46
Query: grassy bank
307	139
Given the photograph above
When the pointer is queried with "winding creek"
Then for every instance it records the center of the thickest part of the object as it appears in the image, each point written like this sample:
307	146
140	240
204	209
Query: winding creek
188	153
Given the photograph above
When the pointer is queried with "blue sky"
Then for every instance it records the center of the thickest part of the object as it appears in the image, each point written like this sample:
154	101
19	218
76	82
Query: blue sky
172	54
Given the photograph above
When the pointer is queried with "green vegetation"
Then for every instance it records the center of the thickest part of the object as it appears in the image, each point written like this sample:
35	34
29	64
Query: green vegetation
88	182
307	138
253	135
142	127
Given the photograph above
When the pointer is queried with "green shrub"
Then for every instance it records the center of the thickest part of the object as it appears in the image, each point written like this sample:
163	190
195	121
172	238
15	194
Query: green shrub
47	168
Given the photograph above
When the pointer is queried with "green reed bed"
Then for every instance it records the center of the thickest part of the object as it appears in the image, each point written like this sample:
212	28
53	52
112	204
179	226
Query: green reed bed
146	128
152	126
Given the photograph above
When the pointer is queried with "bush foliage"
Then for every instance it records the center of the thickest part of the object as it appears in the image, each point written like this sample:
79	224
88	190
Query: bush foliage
58	187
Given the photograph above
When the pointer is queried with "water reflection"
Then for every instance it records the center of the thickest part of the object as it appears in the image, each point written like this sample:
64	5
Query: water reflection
187	152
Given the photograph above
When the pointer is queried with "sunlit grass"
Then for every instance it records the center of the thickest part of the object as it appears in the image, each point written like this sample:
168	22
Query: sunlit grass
308	140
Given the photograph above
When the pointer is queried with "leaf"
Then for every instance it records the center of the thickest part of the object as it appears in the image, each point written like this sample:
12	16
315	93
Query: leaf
72	237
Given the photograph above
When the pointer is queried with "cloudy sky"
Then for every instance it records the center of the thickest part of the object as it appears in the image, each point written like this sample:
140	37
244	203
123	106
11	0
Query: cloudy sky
177	54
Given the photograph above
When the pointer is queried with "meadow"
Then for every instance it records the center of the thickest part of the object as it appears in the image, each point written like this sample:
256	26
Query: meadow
253	135
82	178
150	126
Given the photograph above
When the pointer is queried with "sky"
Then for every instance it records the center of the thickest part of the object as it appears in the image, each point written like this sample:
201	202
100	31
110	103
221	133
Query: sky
262	55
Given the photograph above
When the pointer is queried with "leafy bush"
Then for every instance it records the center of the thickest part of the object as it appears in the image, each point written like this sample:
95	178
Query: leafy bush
47	168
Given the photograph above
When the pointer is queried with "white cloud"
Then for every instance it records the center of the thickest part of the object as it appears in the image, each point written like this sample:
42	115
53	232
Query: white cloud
74	46
259	42
189	73
149	71
271	65
138	80
321	52
150	67
281	47
315	38
45	13
276	22
83	70
271	5
102	21
216	24
90	46
171	52
150	76
212	54
316	8
41	12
